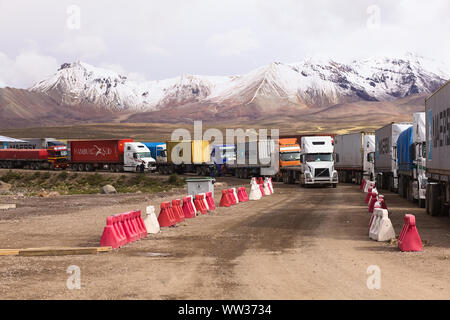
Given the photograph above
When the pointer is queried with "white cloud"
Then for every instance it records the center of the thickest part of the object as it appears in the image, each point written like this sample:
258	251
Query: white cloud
81	47
26	69
156	50
234	42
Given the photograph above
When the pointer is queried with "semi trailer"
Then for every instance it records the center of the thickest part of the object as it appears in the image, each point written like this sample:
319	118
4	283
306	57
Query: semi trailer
317	163
187	156
113	155
52	158
35	143
386	155
255	159
437	109
354	155
411	157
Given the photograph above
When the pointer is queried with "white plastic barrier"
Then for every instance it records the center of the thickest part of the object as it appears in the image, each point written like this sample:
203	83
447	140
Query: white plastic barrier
151	222
266	188
235	195
255	191
193	205
381	228
368	185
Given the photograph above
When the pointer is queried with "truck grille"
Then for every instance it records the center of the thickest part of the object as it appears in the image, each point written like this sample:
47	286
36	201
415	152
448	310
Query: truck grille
321	173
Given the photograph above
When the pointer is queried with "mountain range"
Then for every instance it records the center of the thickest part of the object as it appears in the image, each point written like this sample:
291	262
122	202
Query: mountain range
79	93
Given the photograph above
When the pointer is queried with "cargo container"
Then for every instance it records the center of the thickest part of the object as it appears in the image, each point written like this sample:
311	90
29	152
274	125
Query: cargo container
437	109
158	151
386	155
113	155
190	156
54	157
35	143
317	163
411	157
256	158
355	153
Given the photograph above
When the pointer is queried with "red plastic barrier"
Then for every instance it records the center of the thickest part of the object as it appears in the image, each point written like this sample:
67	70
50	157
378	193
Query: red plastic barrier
178	211
261	187
369	194
372	202
270	185
109	237
189	213
383	202
409	239
210	200
242	195
225	201
134	225
261	181
200	205
231	197
363	184
118	227
165	218
129	228
140	224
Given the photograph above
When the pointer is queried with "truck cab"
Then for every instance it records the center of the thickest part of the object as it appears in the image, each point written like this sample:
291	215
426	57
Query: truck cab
136	154
289	154
317	161
58	156
158	151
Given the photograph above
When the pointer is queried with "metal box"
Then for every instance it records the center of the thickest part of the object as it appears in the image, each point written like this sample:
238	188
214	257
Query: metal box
200	185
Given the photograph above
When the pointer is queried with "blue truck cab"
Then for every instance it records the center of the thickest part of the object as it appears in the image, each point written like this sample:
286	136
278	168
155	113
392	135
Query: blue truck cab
158	151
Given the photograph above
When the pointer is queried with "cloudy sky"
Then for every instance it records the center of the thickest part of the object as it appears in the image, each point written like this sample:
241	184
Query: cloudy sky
149	39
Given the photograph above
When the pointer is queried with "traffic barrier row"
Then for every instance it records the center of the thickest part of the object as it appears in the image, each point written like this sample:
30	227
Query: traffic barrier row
380	226
122	229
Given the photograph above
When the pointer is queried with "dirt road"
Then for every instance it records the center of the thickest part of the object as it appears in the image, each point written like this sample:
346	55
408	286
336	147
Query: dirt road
295	244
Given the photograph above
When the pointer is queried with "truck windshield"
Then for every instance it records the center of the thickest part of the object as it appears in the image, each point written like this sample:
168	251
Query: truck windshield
290	156
317	157
62	153
142	155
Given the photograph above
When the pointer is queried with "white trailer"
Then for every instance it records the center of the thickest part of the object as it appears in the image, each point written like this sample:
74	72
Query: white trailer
437	109
355	153
386	155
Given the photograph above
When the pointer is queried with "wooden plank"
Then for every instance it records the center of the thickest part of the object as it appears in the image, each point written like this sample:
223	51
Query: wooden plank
53	251
9	252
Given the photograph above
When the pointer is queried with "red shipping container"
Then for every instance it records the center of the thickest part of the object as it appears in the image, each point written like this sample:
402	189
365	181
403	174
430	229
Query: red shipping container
23	154
97	151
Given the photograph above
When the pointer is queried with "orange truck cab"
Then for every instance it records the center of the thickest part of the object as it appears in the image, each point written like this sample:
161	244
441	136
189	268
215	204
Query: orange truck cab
289	153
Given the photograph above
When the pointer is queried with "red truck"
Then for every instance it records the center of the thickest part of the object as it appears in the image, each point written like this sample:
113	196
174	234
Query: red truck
54	157
114	155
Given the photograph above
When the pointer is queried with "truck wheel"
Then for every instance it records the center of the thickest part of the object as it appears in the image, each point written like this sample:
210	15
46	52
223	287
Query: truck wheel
81	167
334	185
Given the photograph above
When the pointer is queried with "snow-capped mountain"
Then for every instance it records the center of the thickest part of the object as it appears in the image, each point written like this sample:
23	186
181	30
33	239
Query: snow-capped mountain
310	83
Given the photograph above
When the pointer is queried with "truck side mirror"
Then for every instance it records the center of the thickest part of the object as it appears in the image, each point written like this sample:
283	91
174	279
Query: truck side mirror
135	155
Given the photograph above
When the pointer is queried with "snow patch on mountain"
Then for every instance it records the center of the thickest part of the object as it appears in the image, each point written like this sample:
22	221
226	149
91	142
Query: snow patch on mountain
308	83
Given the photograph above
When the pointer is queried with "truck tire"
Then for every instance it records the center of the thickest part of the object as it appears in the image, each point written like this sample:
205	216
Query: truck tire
81	167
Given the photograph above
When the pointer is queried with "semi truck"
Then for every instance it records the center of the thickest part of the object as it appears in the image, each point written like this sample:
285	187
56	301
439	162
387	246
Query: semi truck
411	157
386	155
54	157
113	155
255	159
354	154
437	109
289	155
158	151
317	163
188	156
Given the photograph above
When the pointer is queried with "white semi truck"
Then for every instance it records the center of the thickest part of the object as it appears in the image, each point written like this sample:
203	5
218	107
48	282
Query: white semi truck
317	163
438	152
355	156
